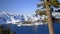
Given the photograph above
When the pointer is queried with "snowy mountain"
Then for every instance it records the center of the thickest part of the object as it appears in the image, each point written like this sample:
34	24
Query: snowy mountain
56	15
6	18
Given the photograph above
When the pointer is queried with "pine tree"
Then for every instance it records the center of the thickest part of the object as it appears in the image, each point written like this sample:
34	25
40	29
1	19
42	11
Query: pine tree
47	5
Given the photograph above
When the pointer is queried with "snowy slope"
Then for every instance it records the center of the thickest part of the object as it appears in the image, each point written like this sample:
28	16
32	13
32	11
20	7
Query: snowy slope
56	15
6	18
2	21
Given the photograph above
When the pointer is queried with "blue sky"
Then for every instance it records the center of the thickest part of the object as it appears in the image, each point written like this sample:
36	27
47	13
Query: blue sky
26	7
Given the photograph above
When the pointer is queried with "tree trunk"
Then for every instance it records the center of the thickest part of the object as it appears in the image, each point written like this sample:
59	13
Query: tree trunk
49	19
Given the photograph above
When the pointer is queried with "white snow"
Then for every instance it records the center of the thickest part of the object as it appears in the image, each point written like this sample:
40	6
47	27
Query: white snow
6	18
56	15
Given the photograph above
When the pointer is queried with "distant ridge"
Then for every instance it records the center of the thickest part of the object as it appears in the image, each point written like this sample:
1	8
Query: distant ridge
6	18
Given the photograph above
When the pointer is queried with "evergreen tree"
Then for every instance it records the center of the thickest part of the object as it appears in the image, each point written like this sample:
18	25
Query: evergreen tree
47	5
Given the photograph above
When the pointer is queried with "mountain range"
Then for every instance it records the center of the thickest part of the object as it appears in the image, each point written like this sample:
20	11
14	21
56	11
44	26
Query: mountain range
6	18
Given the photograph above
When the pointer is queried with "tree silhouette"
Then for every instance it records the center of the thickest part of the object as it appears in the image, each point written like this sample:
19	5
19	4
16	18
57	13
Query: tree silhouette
1	29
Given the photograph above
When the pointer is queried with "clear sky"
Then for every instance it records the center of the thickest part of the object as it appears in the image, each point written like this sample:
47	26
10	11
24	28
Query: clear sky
26	7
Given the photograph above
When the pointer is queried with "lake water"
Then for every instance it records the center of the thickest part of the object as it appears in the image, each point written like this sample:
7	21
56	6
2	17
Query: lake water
41	29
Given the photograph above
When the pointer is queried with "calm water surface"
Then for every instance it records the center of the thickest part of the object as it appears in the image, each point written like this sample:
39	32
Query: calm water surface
41	29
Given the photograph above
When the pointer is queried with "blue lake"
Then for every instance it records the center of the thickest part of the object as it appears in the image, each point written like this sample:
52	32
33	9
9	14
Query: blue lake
41	29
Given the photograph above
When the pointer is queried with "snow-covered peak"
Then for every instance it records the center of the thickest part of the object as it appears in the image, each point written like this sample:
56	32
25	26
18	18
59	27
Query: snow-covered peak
6	18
